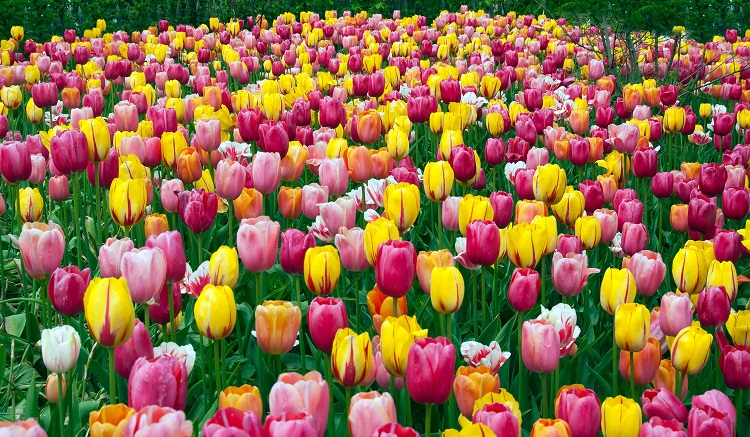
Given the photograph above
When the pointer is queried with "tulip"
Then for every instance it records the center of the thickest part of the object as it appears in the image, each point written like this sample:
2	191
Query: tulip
294	244
608	222
146	271
41	247
368	412
297	393
723	274
446	289
245	398
109	311
401	204
325	316
701	214
690	350
735	202
482	242
737	327
351	357
464	162
97	137
215	311
429	378
277	324
334	176
734	363
575	401
66	288
208	134
322	269
169	190
138	345
589	230
471	384
621	416
502	205
618	287
569	273
155	224
230	420
472	208
396	337
230	178
712	178
170	243
645	363
127	201
499	417
676	313
69	152
727	245
160	311
712	413
26	428
541	345
258	241
60	348
526	244
266	172
713	306
160	381
197	209
689	270
660	427
297	424
648	269
551	427
376	233
396	140
549	183
30	204
15	165
109	420
156	419
662	403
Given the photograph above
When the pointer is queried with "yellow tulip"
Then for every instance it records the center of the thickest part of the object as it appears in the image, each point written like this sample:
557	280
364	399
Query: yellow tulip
30	204
396	337
322	269
723	273
172	145
738	327
351	357
472	208
705	110
109	311
527	243
674	119
272	105
449	140
276	326
401	204
589	230
97	136
398	144
632	326
377	232
127	201
470	430
690	349
495	124
621	417
446	289
618	287
131	168
223	267
438	181
244	398
549	183
11	96
570	207
16	32
215	311
689	270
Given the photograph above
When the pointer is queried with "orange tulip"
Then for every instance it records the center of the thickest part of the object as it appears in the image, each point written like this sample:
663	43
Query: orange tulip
381	307
470	384
244	398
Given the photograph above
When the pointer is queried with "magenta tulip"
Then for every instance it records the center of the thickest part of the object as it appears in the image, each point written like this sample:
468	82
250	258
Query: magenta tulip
395	267
66	288
138	345
170	243
429	375
160	381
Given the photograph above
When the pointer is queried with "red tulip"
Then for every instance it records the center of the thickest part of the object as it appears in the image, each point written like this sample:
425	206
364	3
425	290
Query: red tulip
325	316
523	290
701	214
727	245
482	242
429	375
66	288
15	161
662	185
713	306
494	151
159	311
593	195
711	179
463	163
734	363
294	244
197	209
69	151
663	404
712	414
450	90
502	205
158	381
645	162
395	267
273	139
138	345
332	113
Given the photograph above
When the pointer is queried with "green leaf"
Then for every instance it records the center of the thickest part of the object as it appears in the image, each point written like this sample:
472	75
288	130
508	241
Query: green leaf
32	398
85	409
14	324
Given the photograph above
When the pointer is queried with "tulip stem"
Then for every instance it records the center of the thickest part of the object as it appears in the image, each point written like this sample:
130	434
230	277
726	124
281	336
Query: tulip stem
614	363
545	395
97	205
449	323
521	399
483	291
439	224
258	286
60	403
170	301
427	419
364	204
217	367
473	307
303	358
77	216
329	379
632	376
230	213
112	385
678	383
147	319
739	403
395	306
544	281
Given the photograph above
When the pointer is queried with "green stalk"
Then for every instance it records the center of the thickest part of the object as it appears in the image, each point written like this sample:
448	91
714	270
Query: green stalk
545	395
77	215
427	420
258	286
544	282
481	302
303	358
217	367
112	385
171	312
439	224
395	306
60	403
449	322
519	322
147	318
364	205
329	380
473	313
678	383
738	405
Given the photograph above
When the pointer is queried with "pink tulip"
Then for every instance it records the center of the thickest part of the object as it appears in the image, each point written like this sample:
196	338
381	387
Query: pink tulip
662	403
295	393
110	256
368	411
312	196
429	375
624	137
229	179
66	288
712	414
540	346
299	424
266	172
575	403
608	221
146	271
258	243
569	273
160	381
231	422
41	246
676	313
649	271
169	190
634	237
208	133
325	316
499	418
339	214
350	243
159	309
334	175
154	420
26	428
170	243
138	345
